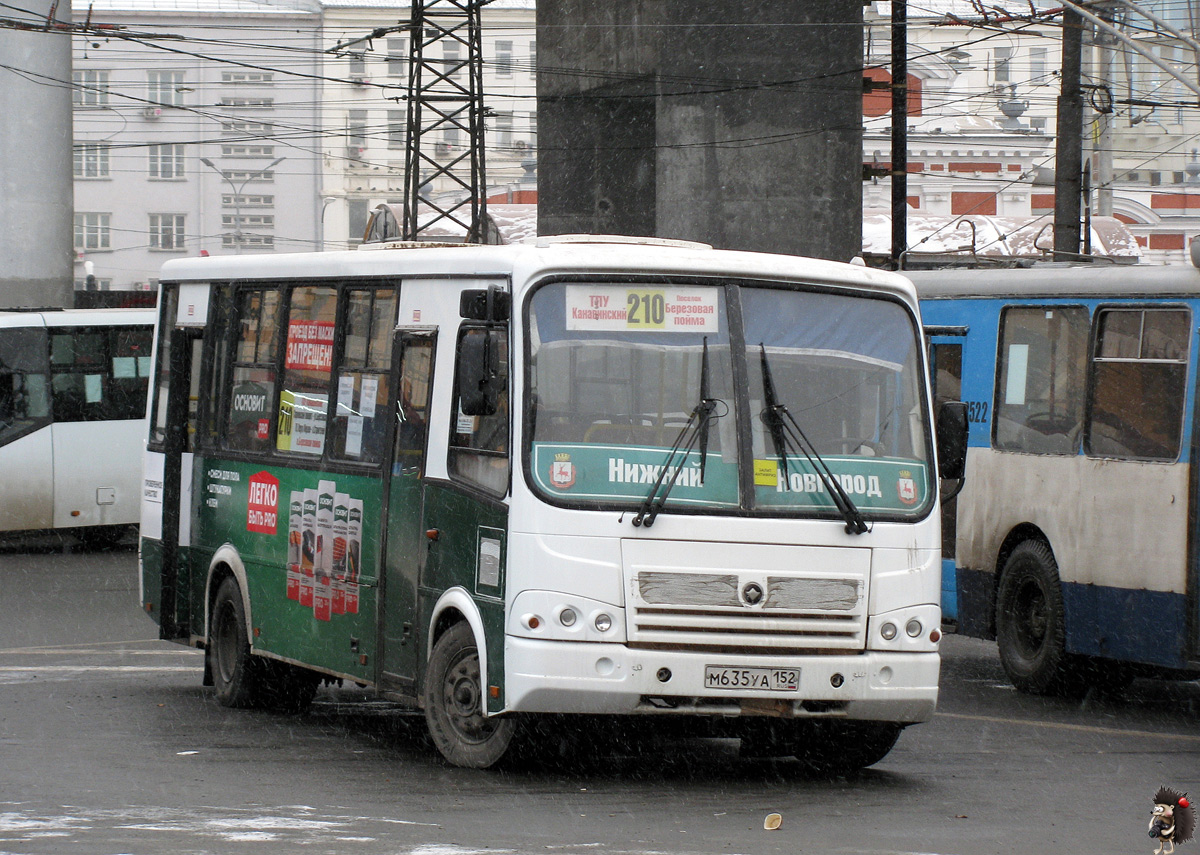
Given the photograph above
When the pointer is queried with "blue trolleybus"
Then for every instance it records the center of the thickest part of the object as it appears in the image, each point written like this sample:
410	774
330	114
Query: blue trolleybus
1073	543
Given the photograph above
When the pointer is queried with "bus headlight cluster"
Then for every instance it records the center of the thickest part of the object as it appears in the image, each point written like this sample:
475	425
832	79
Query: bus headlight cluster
913	629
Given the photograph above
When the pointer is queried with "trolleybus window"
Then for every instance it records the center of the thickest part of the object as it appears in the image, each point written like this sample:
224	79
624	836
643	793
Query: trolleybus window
1138	393
1041	383
99	374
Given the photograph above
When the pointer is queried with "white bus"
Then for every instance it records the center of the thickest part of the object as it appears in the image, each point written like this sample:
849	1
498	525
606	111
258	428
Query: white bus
73	419
588	476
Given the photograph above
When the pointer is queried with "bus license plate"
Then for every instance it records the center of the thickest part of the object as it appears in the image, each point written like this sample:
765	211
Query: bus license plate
761	679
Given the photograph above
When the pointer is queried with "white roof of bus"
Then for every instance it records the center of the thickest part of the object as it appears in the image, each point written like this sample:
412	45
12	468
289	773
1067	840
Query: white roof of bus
1099	280
76	317
523	262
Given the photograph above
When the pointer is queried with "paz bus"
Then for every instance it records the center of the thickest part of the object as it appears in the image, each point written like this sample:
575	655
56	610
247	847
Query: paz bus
1073	542
593	476
73	386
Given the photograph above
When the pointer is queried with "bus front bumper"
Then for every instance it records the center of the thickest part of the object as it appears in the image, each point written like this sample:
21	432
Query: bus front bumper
572	677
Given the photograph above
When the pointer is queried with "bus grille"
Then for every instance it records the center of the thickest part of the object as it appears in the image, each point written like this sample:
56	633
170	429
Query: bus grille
744	612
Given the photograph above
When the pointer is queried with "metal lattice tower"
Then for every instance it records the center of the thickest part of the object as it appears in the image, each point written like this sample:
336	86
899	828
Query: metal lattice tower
445	94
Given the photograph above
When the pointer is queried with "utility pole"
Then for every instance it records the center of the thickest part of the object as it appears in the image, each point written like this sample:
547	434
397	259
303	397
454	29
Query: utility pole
445	105
1102	155
899	130
1068	167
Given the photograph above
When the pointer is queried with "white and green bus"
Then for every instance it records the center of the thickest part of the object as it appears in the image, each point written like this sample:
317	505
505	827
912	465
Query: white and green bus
604	476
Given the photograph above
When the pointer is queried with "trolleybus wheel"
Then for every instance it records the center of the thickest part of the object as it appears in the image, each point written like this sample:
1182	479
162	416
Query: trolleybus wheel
1030	626
454	704
237	674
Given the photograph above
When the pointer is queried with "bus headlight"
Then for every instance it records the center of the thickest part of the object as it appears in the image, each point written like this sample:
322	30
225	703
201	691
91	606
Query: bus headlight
888	631
603	622
913	628
567	617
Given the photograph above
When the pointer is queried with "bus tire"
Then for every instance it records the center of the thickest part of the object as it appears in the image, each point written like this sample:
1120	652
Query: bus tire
236	672
838	748
454	697
1030	623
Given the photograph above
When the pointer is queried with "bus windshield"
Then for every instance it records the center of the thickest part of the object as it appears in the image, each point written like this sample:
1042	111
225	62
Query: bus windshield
615	373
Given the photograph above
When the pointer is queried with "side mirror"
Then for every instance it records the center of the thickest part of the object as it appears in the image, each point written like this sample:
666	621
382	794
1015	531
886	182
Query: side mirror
952	428
479	380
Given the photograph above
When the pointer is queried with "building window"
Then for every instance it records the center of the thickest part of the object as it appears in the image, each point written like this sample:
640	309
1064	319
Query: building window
256	241
248	103
452	62
166	161
1002	64
165	88
247	151
166	231
356	128
247	200
249	129
260	77
397	129
504	58
397	57
504	128
91	160
230	221
92	232
1037	65
250	175
90	88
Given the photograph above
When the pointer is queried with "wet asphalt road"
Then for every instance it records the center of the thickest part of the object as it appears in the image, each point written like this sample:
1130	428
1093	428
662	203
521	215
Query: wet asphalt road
109	745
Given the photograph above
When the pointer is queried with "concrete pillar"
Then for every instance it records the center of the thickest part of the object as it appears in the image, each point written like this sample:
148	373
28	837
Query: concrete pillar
731	122
36	192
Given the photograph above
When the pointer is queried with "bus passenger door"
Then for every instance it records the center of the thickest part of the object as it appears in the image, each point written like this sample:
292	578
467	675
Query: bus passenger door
182	397
945	369
407	546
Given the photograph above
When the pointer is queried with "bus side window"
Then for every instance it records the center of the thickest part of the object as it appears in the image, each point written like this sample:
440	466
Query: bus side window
129	363
24	382
1041	379
252	394
479	444
359	428
1139	377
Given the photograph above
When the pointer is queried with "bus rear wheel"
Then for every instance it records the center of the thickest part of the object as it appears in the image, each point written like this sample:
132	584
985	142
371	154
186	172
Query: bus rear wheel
243	679
454	701
237	673
1030	624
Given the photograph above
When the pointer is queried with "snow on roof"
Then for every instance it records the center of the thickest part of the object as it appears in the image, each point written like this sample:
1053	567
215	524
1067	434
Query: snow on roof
81	8
990	236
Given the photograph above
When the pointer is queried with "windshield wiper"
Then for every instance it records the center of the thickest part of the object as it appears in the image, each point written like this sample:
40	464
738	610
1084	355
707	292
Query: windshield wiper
783	427
694	431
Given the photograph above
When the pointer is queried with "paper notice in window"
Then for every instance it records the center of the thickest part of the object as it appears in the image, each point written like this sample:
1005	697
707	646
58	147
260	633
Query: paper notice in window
345	398
354	434
370	394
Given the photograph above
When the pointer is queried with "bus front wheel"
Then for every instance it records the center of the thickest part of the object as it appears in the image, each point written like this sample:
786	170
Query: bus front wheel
454	701
835	748
1030	624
